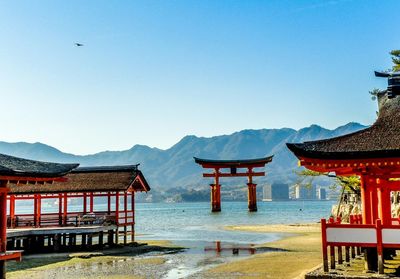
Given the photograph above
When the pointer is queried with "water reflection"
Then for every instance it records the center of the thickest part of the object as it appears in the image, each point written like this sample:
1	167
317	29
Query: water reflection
233	249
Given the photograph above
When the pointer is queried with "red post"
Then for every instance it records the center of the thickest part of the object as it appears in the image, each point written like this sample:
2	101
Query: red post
117	207
60	202
218	247
3	225
84	203
133	216
12	211
126	207
216	193
215	197
35	211
91	206
324	245
252	196
365	200
65	209
108	203
39	209
385	213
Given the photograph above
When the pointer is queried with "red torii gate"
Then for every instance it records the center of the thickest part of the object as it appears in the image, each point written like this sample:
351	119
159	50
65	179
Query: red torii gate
233	165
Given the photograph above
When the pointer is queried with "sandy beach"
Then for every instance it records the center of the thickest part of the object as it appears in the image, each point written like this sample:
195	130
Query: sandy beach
301	245
303	252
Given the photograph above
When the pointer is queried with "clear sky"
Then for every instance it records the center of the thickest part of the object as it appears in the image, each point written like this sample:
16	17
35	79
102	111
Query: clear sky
151	72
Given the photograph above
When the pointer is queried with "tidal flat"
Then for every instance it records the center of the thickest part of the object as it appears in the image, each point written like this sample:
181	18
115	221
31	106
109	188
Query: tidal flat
297	251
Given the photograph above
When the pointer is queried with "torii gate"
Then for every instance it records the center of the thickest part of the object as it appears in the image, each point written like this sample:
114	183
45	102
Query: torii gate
233	165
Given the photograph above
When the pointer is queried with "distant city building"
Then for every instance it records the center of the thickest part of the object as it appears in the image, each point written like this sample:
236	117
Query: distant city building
276	192
321	194
305	193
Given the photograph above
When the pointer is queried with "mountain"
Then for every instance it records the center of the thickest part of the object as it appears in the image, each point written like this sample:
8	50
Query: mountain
175	167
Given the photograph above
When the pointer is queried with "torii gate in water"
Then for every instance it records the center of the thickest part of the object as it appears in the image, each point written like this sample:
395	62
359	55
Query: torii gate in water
233	165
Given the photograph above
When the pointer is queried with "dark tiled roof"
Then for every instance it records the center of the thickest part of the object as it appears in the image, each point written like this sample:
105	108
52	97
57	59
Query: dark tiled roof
234	163
381	140
13	166
118	178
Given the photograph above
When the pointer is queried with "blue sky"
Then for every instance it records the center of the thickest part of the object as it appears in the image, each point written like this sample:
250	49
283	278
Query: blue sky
152	72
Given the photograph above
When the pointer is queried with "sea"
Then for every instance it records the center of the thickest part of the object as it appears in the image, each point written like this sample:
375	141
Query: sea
195	227
194	221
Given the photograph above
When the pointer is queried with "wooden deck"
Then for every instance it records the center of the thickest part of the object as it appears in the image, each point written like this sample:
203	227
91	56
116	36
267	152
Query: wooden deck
21	232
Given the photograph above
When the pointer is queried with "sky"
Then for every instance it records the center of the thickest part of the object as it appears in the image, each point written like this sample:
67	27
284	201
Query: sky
152	72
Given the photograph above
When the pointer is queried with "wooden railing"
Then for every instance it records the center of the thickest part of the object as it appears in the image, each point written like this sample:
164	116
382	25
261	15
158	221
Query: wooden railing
354	236
69	219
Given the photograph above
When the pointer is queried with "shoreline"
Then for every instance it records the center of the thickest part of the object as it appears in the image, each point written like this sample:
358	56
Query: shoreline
302	254
297	251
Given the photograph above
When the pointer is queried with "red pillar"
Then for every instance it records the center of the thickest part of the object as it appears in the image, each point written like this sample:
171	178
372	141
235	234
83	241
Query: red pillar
65	209
3	225
385	213
365	200
252	196
216	193
215	197
38	210
35	211
84	203
60	202
126	206
251	192
133	216
108	203
12	211
117	207
91	206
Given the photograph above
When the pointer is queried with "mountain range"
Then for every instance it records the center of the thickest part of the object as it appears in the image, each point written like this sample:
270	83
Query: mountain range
175	167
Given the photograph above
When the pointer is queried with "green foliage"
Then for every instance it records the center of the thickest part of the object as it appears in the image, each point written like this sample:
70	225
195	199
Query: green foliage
349	183
374	93
395	59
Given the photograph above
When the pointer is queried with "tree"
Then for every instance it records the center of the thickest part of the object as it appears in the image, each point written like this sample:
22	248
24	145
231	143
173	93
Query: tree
348	183
395	59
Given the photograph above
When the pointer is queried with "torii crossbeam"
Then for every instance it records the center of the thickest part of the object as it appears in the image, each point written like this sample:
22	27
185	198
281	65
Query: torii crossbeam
233	165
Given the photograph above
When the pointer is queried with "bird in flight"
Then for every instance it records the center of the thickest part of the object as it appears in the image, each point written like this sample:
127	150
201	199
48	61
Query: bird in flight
78	44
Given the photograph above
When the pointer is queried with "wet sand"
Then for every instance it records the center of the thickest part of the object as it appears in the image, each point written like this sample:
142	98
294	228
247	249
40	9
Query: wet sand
160	259
303	253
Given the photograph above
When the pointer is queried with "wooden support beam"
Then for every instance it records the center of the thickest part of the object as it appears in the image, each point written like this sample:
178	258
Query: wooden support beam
234	175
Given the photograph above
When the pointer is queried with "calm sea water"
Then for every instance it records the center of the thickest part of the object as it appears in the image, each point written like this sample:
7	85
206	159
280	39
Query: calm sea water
187	222
194	222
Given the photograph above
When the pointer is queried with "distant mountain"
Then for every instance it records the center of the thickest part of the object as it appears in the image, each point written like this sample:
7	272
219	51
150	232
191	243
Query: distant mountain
175	167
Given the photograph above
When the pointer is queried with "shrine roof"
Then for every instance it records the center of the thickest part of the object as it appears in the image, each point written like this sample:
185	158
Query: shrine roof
90	179
381	140
234	163
14	166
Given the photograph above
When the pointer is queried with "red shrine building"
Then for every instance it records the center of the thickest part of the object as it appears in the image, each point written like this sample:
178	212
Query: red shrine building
373	154
54	207
232	166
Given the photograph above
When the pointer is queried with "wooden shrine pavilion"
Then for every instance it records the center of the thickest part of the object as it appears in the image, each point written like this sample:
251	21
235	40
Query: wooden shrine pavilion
233	166
102	197
20	171
373	154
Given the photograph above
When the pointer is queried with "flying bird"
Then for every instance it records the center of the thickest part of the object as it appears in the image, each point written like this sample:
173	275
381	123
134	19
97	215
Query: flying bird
78	44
